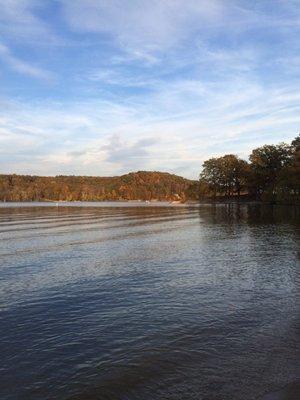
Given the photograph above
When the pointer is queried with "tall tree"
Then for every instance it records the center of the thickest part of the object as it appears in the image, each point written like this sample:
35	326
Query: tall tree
266	164
288	186
211	175
224	175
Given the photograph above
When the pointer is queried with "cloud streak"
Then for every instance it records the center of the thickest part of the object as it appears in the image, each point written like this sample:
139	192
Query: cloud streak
142	26
23	67
120	137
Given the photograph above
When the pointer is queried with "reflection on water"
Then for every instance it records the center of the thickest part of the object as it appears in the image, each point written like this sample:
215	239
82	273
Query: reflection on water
114	301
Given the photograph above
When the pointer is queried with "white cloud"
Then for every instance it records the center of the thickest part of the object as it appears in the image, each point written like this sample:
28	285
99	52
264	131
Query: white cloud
161	132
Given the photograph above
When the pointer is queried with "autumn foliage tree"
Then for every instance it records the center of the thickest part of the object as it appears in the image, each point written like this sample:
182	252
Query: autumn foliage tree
288	184
273	174
225	175
267	163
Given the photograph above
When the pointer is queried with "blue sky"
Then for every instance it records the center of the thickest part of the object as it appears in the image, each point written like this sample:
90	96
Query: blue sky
103	87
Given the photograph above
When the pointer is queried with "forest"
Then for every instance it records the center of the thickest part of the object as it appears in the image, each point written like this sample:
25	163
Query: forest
272	174
141	185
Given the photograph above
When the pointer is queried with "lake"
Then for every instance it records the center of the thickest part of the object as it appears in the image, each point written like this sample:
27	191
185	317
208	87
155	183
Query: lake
149	301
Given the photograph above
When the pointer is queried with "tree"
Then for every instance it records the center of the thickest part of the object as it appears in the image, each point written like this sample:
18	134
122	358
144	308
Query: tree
288	186
266	164
211	175
296	143
224	175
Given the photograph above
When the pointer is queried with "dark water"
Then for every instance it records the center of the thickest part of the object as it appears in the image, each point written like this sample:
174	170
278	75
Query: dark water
146	303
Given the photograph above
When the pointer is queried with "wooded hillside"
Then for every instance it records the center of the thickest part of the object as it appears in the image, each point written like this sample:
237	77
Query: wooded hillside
141	185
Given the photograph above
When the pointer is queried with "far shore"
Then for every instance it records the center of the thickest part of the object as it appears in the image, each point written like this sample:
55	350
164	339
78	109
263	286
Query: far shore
157	202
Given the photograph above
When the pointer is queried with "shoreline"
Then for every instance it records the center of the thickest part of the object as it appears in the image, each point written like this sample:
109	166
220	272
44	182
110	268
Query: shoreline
70	203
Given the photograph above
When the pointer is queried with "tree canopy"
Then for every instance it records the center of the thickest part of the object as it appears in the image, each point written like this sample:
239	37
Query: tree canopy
226	175
272	173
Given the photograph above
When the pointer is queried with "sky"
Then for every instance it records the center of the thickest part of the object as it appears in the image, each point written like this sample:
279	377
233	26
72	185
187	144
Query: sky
104	87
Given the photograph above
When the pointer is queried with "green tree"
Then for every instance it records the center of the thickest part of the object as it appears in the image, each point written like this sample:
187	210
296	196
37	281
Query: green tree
266	164
210	175
288	186
224	175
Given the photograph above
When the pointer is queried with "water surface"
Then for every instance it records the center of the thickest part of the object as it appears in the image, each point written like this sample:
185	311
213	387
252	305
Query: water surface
148	301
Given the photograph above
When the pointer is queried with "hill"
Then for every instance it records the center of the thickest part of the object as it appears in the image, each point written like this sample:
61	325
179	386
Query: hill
141	185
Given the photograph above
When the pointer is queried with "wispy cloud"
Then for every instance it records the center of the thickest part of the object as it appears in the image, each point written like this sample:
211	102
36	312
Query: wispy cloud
120	78
142	26
21	20
23	67
154	84
108	138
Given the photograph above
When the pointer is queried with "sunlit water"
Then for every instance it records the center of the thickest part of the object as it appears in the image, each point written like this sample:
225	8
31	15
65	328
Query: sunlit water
120	301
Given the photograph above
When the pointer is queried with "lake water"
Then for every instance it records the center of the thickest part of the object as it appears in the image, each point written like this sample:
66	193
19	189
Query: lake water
144	302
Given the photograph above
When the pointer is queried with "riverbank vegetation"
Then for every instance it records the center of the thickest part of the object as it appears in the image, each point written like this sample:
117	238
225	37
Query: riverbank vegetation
272	174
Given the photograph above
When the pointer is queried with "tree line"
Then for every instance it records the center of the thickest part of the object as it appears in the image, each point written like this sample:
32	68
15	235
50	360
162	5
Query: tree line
271	174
